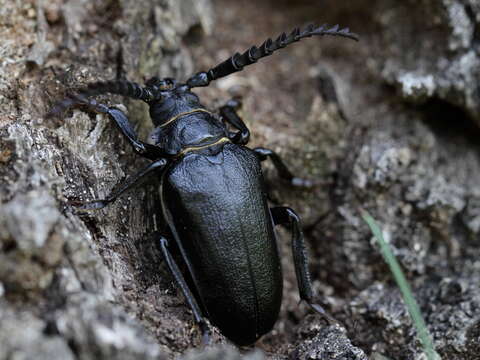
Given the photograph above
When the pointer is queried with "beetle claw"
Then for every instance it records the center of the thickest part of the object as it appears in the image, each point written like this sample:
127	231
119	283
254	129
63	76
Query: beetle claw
304	183
206	339
235	102
321	311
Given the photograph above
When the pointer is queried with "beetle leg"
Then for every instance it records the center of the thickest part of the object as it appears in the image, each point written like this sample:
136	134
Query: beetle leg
284	215
125	186
126	128
229	114
187	293
282	169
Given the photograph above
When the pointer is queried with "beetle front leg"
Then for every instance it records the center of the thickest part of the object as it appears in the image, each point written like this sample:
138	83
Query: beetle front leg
126	128
285	215
125	186
282	169
187	293
229	114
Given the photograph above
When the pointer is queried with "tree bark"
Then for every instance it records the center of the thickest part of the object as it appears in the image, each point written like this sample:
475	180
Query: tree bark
389	124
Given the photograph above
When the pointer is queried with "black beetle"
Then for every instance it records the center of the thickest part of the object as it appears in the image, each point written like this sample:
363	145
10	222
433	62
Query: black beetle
213	195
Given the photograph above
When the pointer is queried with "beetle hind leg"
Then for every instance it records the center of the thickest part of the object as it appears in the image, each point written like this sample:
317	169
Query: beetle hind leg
187	293
285	215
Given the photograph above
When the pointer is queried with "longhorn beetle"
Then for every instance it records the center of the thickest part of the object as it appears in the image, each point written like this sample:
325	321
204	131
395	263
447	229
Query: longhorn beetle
213	195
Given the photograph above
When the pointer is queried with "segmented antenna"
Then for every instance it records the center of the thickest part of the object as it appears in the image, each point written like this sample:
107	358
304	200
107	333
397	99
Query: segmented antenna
125	88
252	55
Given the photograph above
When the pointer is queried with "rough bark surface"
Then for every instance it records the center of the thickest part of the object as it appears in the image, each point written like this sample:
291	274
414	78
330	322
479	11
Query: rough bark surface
389	124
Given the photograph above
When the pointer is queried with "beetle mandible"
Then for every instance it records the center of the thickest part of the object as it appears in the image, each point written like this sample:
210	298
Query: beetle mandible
213	195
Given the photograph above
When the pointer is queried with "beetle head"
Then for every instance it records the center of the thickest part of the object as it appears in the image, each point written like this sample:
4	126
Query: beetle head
158	86
168	98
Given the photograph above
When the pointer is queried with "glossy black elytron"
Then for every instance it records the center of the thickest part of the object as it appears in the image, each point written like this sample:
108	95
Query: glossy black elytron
213	196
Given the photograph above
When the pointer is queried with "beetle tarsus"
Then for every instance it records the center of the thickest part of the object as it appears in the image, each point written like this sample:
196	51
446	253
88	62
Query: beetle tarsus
303	183
206	335
85	206
323	313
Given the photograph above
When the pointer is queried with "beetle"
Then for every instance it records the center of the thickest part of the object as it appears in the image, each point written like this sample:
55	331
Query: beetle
213	195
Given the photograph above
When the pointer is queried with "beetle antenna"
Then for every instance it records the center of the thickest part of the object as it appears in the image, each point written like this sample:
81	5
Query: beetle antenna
250	56
125	88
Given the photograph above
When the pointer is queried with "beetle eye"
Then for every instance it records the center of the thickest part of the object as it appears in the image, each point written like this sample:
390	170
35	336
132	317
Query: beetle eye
167	84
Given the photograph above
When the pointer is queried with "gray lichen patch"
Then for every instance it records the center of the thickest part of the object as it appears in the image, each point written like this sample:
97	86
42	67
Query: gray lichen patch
32	249
416	86
452	74
22	336
222	352
30	218
325	342
91	325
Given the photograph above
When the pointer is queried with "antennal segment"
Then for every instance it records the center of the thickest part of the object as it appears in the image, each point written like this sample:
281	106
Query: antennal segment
125	88
238	61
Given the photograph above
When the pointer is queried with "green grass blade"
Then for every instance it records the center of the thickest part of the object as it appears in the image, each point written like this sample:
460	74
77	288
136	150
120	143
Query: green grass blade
402	283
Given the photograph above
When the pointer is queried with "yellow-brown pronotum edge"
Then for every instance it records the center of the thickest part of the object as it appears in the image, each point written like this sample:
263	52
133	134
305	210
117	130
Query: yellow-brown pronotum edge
193	148
176	117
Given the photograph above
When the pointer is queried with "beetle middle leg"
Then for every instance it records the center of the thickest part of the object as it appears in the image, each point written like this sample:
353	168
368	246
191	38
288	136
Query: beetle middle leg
187	293
285	215
282	169
122	188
